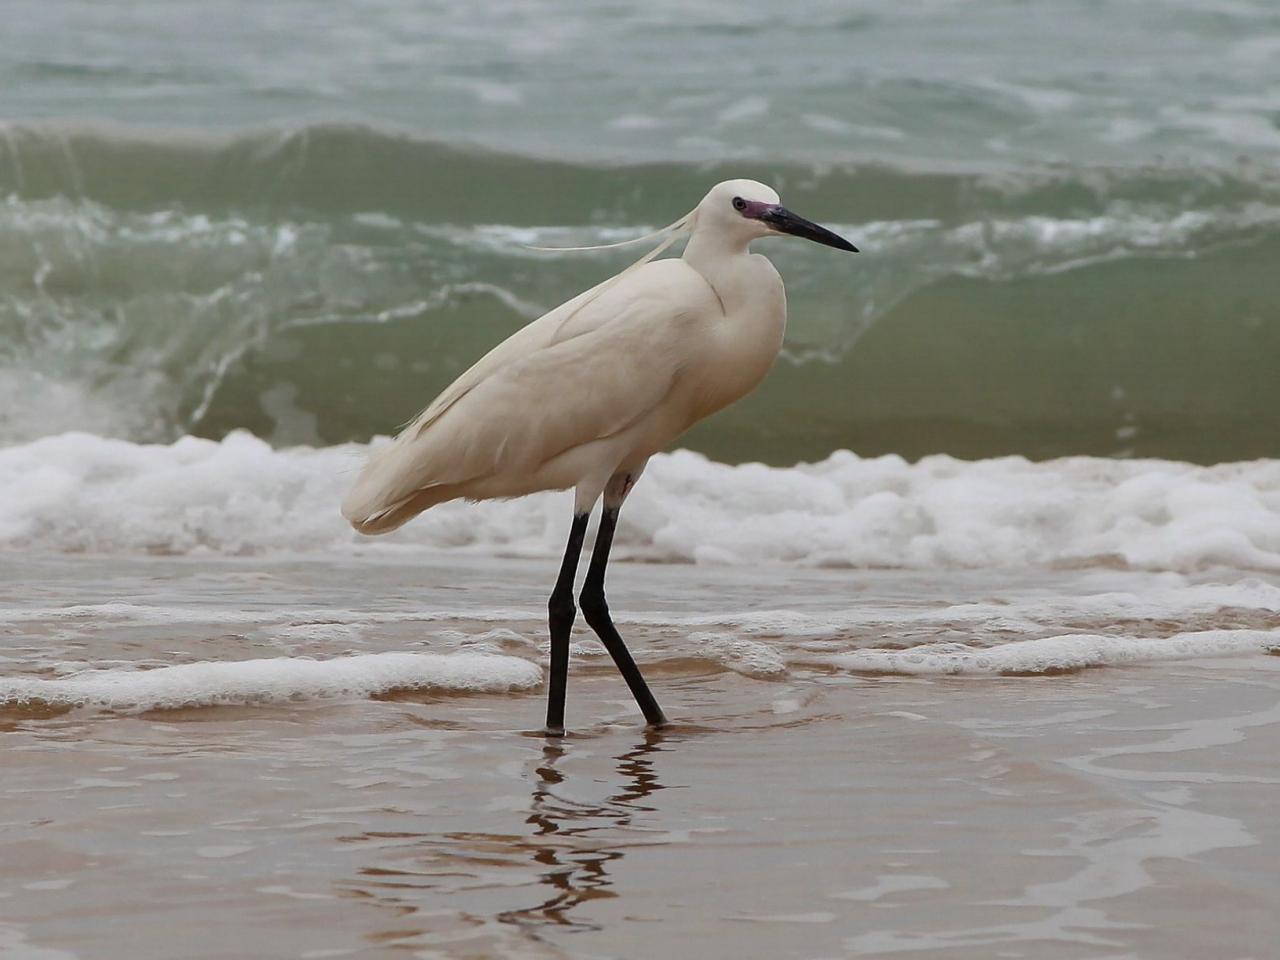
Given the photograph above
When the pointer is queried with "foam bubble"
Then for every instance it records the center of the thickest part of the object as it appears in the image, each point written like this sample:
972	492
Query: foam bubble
76	492
274	680
747	657
1249	597
1055	654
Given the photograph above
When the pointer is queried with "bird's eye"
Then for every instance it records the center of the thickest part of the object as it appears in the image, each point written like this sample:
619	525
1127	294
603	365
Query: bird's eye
739	204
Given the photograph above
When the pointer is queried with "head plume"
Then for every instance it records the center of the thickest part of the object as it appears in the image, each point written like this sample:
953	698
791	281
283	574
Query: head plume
673	232
680	227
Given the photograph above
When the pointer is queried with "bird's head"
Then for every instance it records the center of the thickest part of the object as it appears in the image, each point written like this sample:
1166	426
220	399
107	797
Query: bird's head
749	210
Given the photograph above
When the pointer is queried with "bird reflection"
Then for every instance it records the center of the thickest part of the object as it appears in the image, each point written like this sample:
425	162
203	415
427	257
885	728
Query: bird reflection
566	841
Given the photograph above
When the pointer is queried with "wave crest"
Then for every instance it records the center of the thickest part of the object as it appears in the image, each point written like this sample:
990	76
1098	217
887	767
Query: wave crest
77	492
161	283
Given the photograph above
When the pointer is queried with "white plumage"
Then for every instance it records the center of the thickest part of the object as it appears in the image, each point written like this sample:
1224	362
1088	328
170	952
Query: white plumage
589	391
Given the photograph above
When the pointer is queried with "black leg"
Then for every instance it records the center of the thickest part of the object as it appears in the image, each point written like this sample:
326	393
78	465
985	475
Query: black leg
560	614
596	612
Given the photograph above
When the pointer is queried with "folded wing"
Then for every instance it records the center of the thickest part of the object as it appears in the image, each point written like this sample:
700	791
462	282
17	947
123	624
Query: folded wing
585	371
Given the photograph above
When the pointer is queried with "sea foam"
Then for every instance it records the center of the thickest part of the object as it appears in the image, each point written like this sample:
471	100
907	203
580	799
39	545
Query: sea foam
77	492
274	680
1048	655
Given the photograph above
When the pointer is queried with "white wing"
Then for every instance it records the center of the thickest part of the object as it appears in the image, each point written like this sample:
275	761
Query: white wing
584	371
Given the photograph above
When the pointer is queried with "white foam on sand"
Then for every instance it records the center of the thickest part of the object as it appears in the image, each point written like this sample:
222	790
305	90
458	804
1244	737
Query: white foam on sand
76	492
274	680
1177	600
749	658
1048	655
1165	596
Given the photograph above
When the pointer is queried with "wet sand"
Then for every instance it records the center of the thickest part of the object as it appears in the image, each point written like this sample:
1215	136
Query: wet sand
1126	811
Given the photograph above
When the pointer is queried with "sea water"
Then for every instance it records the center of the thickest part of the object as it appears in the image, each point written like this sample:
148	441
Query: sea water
306	222
310	756
966	621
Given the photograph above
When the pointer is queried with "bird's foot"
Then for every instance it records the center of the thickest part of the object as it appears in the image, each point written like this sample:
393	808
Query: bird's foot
657	722
550	731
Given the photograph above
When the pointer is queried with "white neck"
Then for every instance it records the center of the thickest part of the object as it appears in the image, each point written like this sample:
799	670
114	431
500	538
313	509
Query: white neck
708	251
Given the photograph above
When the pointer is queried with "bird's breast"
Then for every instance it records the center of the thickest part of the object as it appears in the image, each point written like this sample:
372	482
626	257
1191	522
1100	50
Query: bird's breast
743	342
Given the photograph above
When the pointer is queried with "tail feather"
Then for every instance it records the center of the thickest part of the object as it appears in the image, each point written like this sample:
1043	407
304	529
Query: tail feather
385	495
384	519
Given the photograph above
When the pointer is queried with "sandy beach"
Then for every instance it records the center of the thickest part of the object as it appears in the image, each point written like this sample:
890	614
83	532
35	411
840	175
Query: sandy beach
792	809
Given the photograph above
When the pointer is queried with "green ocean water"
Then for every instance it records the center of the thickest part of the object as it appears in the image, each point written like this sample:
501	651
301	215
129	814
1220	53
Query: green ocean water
991	708
305	221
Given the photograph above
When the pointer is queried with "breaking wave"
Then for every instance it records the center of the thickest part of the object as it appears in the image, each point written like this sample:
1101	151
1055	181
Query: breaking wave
77	492
318	284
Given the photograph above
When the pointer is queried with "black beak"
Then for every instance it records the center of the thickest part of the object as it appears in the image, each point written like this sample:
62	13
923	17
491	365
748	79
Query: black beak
784	221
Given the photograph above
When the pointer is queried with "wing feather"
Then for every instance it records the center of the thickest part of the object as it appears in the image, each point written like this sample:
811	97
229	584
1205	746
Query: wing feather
585	371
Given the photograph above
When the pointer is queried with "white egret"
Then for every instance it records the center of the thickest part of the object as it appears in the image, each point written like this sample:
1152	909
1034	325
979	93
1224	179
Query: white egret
585	395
